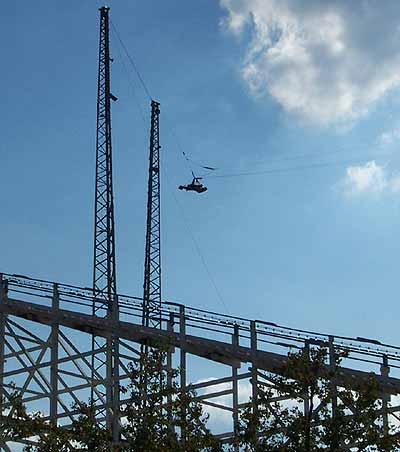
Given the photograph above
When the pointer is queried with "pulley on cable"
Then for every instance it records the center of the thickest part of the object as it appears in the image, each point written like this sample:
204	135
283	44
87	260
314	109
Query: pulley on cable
195	185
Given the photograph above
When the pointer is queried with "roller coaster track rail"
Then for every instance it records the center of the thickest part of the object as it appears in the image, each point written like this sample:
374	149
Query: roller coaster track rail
80	299
42	356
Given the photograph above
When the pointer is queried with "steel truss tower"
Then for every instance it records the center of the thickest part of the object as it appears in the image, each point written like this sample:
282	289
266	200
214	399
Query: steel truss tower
61	343
152	266
105	361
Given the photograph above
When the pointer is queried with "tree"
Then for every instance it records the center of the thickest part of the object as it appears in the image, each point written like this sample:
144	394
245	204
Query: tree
157	416
17	424
320	416
84	434
88	433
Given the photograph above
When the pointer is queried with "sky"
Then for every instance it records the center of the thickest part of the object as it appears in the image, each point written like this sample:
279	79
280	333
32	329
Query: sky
297	104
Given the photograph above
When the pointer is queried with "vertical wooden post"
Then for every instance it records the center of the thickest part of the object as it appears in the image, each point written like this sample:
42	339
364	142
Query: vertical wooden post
235	391
306	396
254	370
170	328
182	340
385	370
54	356
332	365
335	441
3	300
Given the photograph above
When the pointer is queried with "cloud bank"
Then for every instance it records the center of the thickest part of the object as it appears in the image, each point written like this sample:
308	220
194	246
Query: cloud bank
370	178
325	61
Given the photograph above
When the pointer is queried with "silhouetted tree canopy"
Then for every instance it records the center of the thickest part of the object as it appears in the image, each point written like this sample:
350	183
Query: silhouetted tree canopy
300	408
317	415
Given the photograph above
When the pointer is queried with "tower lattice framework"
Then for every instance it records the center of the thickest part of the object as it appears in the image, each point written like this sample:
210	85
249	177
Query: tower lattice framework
105	362
61	344
152	266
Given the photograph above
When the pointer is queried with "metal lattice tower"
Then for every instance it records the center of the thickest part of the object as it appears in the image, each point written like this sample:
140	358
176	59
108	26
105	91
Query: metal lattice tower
105	350
152	265
60	344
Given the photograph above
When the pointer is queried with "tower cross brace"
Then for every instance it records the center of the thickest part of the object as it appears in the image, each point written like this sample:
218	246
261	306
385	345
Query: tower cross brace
152	267
105	360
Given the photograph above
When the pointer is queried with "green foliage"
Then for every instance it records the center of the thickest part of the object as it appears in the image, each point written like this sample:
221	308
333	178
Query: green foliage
157	417
315	419
17	423
88	433
305	406
85	434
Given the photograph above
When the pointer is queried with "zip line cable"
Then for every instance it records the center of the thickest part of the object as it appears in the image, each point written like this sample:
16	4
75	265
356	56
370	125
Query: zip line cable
133	88
172	131
146	90
180	207
284	170
188	161
340	150
197	247
357	151
144	86
171	128
179	145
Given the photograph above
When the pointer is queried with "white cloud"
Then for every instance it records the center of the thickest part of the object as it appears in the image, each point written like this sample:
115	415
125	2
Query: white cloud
328	62
370	178
390	136
221	420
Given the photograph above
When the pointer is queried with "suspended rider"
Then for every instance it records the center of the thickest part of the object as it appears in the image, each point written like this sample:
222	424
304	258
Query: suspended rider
195	185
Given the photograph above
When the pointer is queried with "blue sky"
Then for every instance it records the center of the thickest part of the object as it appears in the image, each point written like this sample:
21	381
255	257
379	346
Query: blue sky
246	86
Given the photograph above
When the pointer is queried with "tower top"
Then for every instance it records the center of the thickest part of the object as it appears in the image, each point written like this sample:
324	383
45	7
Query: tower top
104	8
